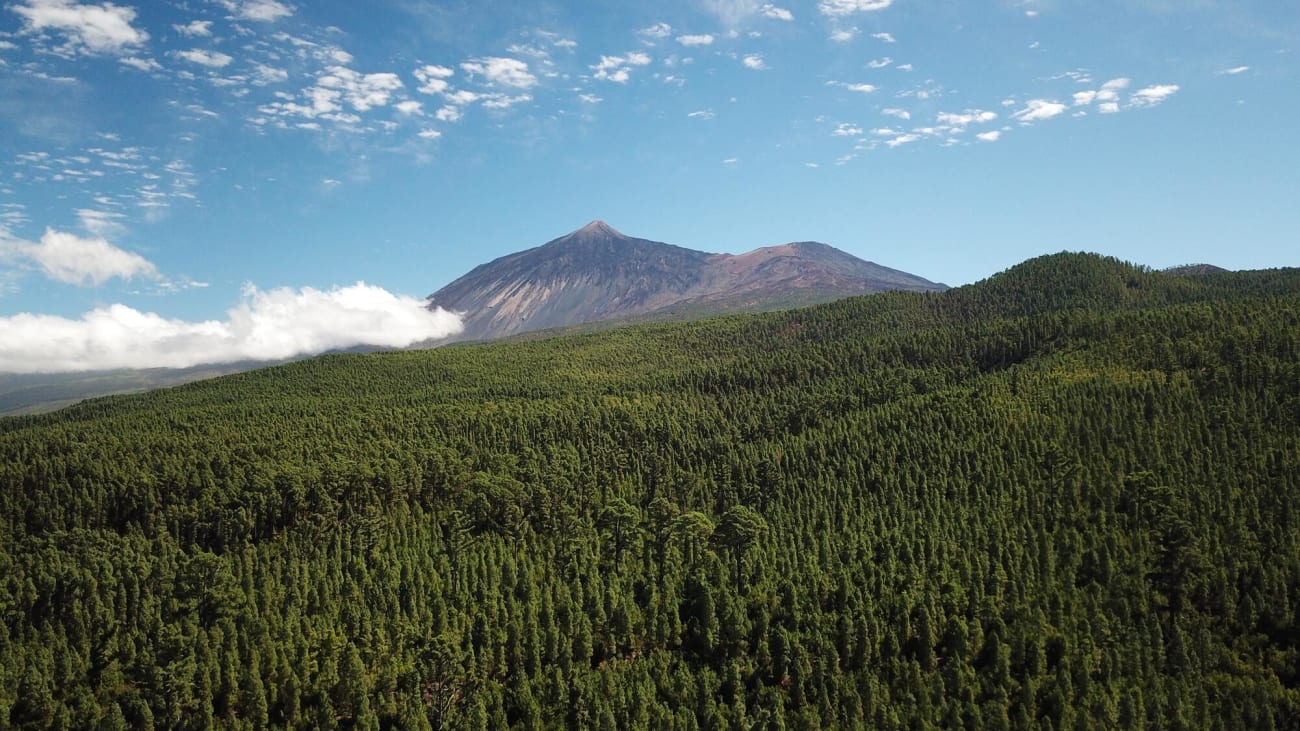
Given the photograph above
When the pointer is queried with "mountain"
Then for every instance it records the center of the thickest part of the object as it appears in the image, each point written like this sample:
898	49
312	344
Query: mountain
597	273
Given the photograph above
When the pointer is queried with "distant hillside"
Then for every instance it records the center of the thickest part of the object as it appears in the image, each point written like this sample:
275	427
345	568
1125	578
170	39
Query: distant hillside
1187	270
1060	498
596	274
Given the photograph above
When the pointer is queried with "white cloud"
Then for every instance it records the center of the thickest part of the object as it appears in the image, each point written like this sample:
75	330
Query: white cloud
430	134
658	30
590	99
886	37
880	63
433	79
211	59
1152	95
502	101
1084	98
1039	109
265	325
695	40
775	13
837	8
362	91
860	88
618	68
102	28
1110	90
66	257
410	107
904	67
1108	107
1031	13
844	35
143	64
847	130
990	136
900	113
903	139
101	223
195	29
1235	70
754	61
705	114
264	75
503	71
970	116
262	11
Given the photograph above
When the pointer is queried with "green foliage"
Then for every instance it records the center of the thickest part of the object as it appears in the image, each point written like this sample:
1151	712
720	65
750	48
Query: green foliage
1061	498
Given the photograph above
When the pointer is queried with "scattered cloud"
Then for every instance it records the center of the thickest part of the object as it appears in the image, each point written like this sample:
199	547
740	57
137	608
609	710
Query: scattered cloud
705	114
410	108
618	69
101	223
966	118
886	37
433	79
695	40
775	13
880	63
361	91
195	29
990	136
429	134
85	28
656	32
754	61
264	75
844	35
860	88
904	67
262	11
1039	109
265	325
1235	70
501	71
210	59
1152	95
68	258
839	8
847	130
900	113
142	64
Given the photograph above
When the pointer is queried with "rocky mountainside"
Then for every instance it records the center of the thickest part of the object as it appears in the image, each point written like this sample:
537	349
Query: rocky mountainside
597	273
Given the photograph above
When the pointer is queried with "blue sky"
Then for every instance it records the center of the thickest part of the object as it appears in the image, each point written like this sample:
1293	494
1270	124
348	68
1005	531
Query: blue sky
213	179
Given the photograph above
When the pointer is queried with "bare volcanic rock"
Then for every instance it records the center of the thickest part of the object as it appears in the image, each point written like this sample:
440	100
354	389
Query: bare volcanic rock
597	273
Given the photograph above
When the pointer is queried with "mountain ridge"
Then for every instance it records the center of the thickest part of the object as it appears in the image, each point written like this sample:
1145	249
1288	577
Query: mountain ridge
598	273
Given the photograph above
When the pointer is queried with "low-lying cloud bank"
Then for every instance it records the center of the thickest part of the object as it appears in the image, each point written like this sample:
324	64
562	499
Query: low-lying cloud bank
265	325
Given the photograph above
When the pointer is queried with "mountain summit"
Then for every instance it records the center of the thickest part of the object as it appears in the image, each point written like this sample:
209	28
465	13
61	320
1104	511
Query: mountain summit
598	273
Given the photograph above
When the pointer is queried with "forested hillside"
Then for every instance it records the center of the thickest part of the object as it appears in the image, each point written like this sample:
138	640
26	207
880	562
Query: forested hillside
1063	498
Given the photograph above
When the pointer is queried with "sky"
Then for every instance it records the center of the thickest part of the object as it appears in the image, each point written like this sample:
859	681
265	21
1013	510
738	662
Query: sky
215	180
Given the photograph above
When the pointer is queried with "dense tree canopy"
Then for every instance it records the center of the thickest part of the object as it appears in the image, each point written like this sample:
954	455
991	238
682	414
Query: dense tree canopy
1061	498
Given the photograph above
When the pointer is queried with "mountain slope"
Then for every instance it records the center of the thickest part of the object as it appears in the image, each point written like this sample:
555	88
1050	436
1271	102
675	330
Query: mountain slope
899	511
597	273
